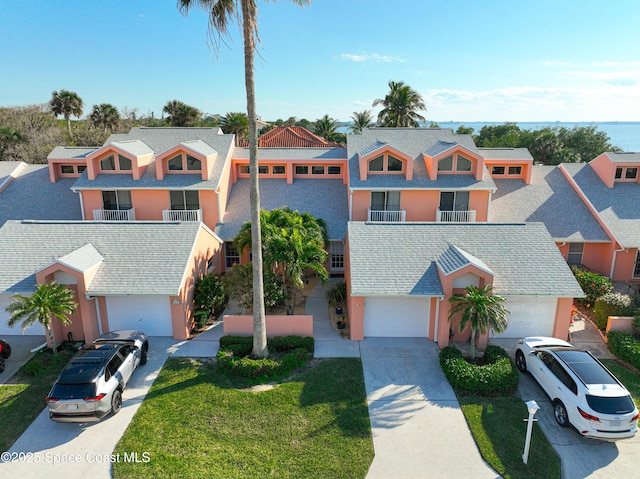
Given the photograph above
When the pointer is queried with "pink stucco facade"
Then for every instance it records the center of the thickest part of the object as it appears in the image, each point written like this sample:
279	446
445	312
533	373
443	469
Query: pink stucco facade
277	325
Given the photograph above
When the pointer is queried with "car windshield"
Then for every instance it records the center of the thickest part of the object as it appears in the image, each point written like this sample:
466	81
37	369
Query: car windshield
73	391
611	405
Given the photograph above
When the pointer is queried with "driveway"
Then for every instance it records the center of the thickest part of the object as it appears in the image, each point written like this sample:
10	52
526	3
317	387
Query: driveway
418	428
67	451
21	346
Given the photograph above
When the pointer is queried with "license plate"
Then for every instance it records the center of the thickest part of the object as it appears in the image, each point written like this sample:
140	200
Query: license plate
72	407
615	423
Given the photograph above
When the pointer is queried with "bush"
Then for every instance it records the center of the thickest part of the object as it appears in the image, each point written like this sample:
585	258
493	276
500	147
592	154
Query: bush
289	353
239	285
209	299
337	295
498	376
612	304
625	346
636	325
593	285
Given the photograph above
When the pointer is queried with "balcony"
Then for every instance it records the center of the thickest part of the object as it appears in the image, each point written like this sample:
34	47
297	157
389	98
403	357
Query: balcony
387	216
182	215
455	216
114	215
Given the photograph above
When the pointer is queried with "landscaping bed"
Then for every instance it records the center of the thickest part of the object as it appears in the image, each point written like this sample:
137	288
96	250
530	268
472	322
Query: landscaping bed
195	423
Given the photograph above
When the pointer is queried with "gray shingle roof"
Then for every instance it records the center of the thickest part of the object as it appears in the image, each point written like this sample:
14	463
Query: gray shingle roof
619	207
505	153
139	258
400	258
326	199
414	142
454	258
71	152
31	195
82	259
624	157
134	147
548	199
294	154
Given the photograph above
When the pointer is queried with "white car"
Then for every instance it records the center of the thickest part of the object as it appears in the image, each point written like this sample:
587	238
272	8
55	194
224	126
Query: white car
584	393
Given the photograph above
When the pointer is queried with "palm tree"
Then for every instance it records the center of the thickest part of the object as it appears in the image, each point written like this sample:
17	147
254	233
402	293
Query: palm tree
66	103
482	310
236	123
181	114
361	120
50	300
400	107
221	13
325	127
293	243
104	115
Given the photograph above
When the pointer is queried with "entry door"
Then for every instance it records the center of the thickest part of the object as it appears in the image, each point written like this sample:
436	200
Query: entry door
454	201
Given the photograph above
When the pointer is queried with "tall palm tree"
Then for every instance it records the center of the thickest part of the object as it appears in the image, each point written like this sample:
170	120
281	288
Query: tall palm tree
49	301
66	103
221	13
181	114
236	123
361	120
400	107
104	115
482	310
325	127
293	243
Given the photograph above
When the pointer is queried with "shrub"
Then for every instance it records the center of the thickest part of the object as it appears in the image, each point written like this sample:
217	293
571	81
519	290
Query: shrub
636	325
625	346
497	376
612	304
239	284
593	285
209	299
337	295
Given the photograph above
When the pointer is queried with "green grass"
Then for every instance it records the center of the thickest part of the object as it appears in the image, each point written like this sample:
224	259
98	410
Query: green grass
23	400
499	430
194	423
630	379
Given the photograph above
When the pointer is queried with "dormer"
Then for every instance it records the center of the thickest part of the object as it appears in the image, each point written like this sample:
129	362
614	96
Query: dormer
189	157
508	163
615	168
384	159
120	157
452	158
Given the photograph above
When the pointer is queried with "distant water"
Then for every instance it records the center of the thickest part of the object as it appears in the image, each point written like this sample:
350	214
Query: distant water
625	135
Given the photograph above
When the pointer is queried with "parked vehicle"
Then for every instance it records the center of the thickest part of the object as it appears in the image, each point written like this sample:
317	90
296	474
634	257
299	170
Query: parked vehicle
584	393
91	385
5	352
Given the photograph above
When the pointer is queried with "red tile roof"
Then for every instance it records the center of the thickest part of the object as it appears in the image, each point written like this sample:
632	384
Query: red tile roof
290	137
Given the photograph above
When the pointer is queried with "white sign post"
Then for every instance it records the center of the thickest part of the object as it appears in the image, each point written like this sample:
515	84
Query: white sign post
533	407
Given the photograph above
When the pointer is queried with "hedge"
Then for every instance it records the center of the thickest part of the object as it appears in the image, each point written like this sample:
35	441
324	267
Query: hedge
612	304
593	285
498	376
625	346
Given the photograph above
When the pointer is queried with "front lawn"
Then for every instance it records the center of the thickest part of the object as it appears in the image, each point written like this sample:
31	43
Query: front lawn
194	423
630	379
22	400
499	430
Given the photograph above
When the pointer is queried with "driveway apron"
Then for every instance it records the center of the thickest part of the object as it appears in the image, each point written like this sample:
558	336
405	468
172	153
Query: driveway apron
418	428
68	450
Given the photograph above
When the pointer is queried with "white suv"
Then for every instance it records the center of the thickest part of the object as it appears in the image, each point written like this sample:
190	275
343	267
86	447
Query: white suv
583	392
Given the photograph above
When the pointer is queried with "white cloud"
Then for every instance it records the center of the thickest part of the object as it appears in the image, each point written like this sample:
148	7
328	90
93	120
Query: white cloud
370	57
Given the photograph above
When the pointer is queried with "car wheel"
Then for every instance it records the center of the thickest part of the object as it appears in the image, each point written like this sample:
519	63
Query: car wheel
521	361
143	357
5	350
116	402
560	413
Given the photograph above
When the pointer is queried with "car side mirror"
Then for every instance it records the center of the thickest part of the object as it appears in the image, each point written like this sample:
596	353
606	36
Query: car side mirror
532	353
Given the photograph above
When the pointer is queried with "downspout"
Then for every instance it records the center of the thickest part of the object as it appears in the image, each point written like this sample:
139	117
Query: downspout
350	205
217	192
81	205
98	317
435	331
613	261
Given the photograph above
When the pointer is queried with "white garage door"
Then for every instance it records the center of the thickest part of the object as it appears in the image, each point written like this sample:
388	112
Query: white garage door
396	317
530	316
5	330
149	314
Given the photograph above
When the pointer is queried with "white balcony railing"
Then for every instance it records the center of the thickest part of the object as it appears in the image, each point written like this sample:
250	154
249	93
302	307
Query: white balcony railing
387	216
182	215
456	216
114	215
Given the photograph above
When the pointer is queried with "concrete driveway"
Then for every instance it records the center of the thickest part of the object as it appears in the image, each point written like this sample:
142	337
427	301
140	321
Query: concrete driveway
67	451
418	428
21	346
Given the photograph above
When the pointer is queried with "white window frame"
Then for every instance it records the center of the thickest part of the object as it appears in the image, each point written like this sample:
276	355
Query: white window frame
336	250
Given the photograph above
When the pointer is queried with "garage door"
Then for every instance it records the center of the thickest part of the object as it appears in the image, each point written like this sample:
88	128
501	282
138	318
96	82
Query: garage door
396	317
530	316
150	314
5	330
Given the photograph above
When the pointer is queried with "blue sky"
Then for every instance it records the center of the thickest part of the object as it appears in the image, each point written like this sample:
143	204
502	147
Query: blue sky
495	60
